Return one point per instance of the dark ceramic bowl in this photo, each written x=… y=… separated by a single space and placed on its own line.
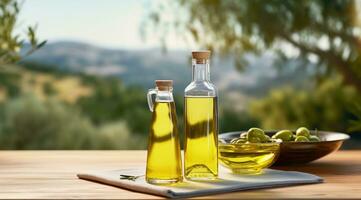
x=302 y=152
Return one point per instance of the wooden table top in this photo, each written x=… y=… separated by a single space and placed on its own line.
x=52 y=174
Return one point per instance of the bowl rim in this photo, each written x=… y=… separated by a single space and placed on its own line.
x=341 y=136
x=253 y=143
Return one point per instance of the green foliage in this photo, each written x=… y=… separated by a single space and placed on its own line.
x=9 y=79
x=26 y=120
x=103 y=120
x=355 y=124
x=326 y=108
x=29 y=123
x=49 y=89
x=111 y=101
x=10 y=42
x=231 y=120
x=106 y=102
x=321 y=31
x=42 y=67
x=116 y=135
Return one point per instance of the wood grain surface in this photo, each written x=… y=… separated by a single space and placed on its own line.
x=52 y=175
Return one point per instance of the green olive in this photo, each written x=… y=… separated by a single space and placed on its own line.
x=284 y=135
x=254 y=140
x=314 y=138
x=254 y=133
x=268 y=138
x=264 y=138
x=301 y=139
x=303 y=132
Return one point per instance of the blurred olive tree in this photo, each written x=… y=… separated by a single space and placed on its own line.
x=325 y=32
x=322 y=32
x=10 y=42
x=326 y=109
x=31 y=123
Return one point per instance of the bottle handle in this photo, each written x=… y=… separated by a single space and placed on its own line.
x=150 y=93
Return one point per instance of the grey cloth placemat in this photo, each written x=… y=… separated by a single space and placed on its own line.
x=227 y=182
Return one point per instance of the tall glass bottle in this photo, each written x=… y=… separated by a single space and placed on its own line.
x=164 y=164
x=201 y=122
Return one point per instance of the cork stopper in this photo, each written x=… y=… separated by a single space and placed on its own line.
x=164 y=84
x=201 y=56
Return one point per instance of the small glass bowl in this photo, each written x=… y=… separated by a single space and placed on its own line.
x=248 y=158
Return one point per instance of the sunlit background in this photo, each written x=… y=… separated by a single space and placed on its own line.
x=276 y=64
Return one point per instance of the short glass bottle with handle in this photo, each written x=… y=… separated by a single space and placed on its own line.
x=201 y=122
x=164 y=164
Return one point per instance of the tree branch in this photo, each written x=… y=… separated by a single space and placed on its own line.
x=344 y=36
x=336 y=61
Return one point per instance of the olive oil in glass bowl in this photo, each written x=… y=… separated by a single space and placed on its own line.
x=247 y=158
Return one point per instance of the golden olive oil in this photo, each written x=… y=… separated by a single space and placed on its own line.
x=247 y=158
x=164 y=158
x=201 y=132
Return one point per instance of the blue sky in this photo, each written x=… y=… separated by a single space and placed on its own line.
x=107 y=23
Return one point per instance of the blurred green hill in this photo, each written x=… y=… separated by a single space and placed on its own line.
x=48 y=109
x=142 y=67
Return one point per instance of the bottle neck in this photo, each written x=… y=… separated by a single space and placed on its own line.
x=164 y=95
x=200 y=71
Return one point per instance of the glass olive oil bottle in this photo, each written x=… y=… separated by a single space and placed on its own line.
x=201 y=122
x=164 y=164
